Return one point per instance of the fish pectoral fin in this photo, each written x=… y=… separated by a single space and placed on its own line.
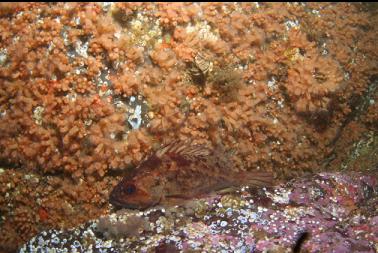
x=256 y=178
x=175 y=199
x=177 y=196
x=226 y=190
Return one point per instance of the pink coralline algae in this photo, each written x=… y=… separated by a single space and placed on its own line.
x=335 y=211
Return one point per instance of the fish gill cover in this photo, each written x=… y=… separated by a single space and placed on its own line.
x=87 y=90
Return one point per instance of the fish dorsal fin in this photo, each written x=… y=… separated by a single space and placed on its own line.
x=184 y=149
x=182 y=152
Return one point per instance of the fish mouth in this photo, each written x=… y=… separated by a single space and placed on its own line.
x=120 y=205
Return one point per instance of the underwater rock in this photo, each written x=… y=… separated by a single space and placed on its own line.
x=328 y=208
x=283 y=84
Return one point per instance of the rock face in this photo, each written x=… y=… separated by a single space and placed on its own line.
x=330 y=212
x=87 y=90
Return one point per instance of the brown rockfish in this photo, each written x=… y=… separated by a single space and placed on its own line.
x=181 y=170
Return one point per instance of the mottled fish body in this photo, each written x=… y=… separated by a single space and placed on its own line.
x=181 y=170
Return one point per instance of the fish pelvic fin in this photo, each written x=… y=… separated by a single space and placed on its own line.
x=256 y=178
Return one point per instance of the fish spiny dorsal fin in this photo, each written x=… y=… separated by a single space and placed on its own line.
x=184 y=149
x=190 y=150
x=159 y=153
x=168 y=148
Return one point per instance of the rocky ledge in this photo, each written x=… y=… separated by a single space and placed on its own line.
x=326 y=212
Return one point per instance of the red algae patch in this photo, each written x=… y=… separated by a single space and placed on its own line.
x=89 y=89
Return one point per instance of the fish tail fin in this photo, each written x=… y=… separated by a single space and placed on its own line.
x=257 y=178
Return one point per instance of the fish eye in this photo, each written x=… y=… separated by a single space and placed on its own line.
x=130 y=189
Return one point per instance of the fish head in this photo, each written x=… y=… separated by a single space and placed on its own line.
x=137 y=193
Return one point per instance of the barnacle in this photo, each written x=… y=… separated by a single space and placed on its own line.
x=232 y=201
x=200 y=69
x=293 y=54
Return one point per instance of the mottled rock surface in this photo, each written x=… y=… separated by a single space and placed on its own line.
x=338 y=211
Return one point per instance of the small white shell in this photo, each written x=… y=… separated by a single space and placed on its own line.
x=202 y=63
